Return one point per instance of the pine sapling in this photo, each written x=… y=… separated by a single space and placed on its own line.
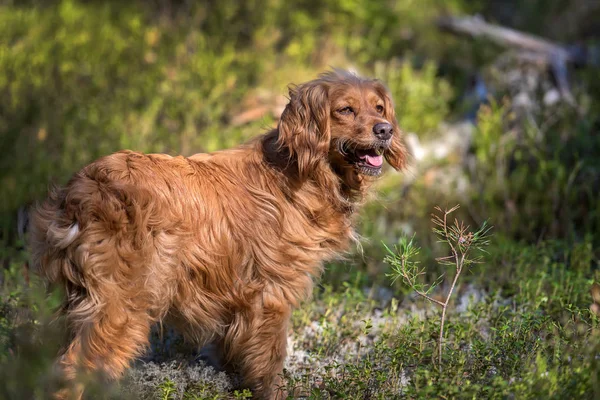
x=463 y=245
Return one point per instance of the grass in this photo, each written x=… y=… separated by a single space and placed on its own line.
x=539 y=342
x=519 y=325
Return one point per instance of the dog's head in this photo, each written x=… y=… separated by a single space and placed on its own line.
x=344 y=120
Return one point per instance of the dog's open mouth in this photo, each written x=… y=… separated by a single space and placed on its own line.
x=368 y=161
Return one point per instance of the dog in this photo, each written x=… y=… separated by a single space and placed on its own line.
x=221 y=245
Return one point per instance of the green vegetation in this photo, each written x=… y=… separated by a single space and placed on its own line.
x=80 y=79
x=537 y=341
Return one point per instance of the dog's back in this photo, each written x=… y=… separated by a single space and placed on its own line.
x=103 y=198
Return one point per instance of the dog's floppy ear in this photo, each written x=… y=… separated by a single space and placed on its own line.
x=396 y=154
x=303 y=129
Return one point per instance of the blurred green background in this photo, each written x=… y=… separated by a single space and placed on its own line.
x=488 y=125
x=83 y=79
x=80 y=79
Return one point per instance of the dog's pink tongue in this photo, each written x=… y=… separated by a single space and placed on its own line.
x=371 y=157
x=375 y=161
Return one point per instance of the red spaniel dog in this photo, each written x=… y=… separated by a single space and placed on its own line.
x=222 y=245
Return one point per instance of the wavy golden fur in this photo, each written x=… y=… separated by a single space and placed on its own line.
x=222 y=245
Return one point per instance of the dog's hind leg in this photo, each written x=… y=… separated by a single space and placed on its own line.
x=104 y=341
x=108 y=313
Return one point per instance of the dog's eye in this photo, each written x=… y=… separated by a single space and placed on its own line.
x=346 y=110
x=379 y=108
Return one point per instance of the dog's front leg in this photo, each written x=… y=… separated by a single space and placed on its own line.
x=256 y=344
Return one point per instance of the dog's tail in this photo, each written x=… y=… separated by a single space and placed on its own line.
x=51 y=233
x=91 y=229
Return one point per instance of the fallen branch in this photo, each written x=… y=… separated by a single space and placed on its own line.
x=553 y=55
x=476 y=26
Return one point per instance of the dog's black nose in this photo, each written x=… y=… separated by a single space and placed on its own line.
x=383 y=130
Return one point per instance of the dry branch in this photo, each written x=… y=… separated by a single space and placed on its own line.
x=553 y=55
x=477 y=27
